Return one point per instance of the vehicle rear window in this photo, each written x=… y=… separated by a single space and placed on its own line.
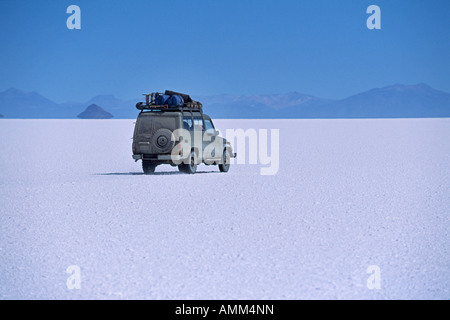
x=145 y=126
x=148 y=124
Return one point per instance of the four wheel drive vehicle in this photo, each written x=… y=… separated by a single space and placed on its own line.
x=172 y=129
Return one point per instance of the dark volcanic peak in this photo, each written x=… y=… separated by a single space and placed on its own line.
x=95 y=112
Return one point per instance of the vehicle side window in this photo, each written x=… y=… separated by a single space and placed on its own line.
x=187 y=123
x=198 y=123
x=208 y=125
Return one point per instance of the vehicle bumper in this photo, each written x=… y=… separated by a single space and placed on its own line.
x=164 y=157
x=159 y=157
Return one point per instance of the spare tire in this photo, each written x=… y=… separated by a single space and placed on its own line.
x=162 y=140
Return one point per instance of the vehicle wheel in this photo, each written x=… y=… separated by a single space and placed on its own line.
x=224 y=164
x=191 y=166
x=148 y=167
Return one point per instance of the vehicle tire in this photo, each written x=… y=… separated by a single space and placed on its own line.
x=162 y=140
x=148 y=167
x=191 y=166
x=224 y=164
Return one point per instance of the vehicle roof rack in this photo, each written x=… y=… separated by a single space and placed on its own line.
x=176 y=109
x=151 y=105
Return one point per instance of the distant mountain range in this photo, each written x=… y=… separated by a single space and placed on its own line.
x=396 y=101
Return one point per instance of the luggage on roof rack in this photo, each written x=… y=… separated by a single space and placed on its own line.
x=168 y=100
x=186 y=97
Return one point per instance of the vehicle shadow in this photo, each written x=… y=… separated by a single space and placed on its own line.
x=168 y=173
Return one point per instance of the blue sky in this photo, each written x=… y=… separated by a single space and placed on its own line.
x=206 y=47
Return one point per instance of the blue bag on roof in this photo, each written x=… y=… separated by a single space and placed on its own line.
x=175 y=100
x=162 y=99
